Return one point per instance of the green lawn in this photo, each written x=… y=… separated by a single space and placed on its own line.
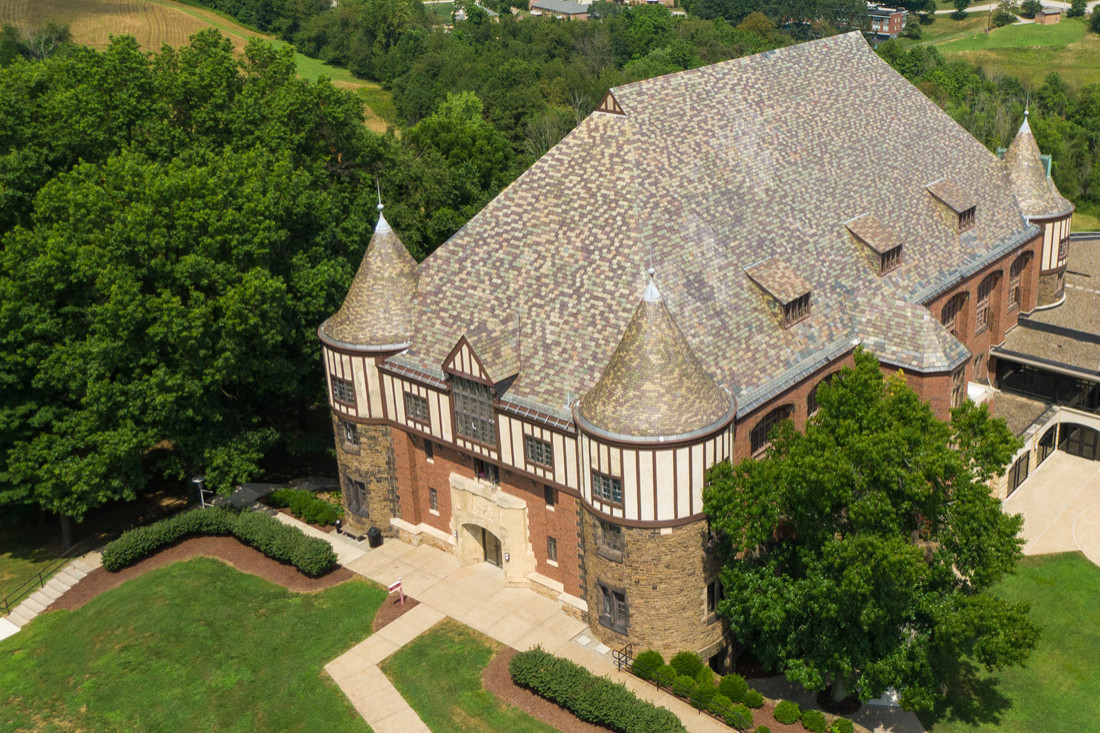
x=946 y=28
x=22 y=554
x=439 y=674
x=1058 y=690
x=192 y=646
x=1083 y=222
x=440 y=13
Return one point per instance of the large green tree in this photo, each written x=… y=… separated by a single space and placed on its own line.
x=860 y=553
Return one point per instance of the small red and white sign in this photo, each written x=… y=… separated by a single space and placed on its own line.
x=396 y=588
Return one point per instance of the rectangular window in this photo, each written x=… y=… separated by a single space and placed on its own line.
x=889 y=260
x=551 y=495
x=981 y=314
x=433 y=500
x=1018 y=472
x=552 y=550
x=714 y=597
x=609 y=540
x=350 y=432
x=966 y=219
x=355 y=493
x=416 y=408
x=796 y=310
x=486 y=471
x=949 y=316
x=1014 y=273
x=613 y=609
x=473 y=405
x=343 y=391
x=608 y=488
x=538 y=451
x=429 y=450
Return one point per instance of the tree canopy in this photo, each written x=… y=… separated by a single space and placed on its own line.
x=861 y=552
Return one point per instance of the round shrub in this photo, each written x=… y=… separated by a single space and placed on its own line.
x=734 y=687
x=687 y=663
x=701 y=696
x=647 y=663
x=705 y=676
x=843 y=725
x=813 y=721
x=754 y=699
x=666 y=675
x=738 y=716
x=684 y=685
x=787 y=712
x=314 y=557
x=763 y=729
x=719 y=704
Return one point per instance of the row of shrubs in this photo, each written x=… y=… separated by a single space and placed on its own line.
x=593 y=699
x=306 y=506
x=311 y=555
x=730 y=699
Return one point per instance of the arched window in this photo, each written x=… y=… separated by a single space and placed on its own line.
x=950 y=317
x=1015 y=294
x=759 y=436
x=811 y=400
x=982 y=311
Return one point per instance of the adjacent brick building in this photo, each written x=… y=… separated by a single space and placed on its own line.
x=546 y=391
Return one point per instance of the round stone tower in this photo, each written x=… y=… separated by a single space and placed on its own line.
x=374 y=322
x=1041 y=203
x=649 y=428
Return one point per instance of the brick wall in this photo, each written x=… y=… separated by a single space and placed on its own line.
x=664 y=574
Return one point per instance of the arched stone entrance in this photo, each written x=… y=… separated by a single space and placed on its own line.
x=491 y=527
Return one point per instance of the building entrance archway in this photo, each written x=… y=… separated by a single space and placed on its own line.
x=491 y=526
x=488 y=542
x=1079 y=440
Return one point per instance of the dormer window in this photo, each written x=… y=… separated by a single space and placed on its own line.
x=958 y=201
x=883 y=244
x=473 y=408
x=966 y=219
x=786 y=293
x=796 y=310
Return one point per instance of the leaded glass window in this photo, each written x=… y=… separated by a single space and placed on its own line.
x=473 y=405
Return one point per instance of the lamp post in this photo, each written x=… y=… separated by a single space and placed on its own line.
x=198 y=482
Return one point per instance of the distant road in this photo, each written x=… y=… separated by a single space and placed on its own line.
x=990 y=6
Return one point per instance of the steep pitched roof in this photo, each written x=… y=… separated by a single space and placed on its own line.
x=1035 y=191
x=705 y=173
x=380 y=306
x=654 y=386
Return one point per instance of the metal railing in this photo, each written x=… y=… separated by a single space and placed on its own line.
x=11 y=600
x=623 y=657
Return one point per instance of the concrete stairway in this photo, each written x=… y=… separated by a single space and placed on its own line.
x=64 y=579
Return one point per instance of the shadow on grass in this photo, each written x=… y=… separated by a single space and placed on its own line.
x=974 y=700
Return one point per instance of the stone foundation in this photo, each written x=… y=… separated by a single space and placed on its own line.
x=1051 y=288
x=664 y=575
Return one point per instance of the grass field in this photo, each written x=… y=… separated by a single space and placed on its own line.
x=156 y=22
x=191 y=646
x=1028 y=52
x=1058 y=690
x=439 y=674
x=440 y=13
x=1083 y=222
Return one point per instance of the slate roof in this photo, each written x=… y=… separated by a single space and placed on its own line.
x=950 y=193
x=654 y=385
x=1019 y=412
x=870 y=230
x=778 y=279
x=1035 y=191
x=707 y=172
x=380 y=307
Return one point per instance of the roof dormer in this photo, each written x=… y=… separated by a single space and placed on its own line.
x=958 y=201
x=487 y=353
x=881 y=242
x=787 y=293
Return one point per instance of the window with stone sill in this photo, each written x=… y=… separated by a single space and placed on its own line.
x=552 y=550
x=981 y=312
x=486 y=471
x=614 y=613
x=607 y=488
x=609 y=541
x=433 y=500
x=429 y=451
x=949 y=315
x=349 y=431
x=538 y=452
x=550 y=494
x=1014 y=273
x=714 y=597
x=343 y=391
x=355 y=493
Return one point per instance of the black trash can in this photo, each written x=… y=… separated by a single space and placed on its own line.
x=374 y=537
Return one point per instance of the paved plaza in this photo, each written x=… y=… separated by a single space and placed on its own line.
x=1060 y=502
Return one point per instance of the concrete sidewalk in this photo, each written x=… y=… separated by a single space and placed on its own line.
x=1060 y=502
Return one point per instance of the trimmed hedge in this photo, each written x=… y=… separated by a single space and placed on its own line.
x=593 y=699
x=754 y=699
x=763 y=729
x=701 y=696
x=734 y=687
x=787 y=712
x=647 y=663
x=813 y=721
x=311 y=555
x=687 y=663
x=843 y=725
x=683 y=685
x=306 y=506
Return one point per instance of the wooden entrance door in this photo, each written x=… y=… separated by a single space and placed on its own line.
x=492 y=547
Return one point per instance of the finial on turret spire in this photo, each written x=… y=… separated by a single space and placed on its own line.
x=382 y=226
x=378 y=185
x=651 y=294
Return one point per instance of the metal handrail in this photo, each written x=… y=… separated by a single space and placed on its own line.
x=8 y=602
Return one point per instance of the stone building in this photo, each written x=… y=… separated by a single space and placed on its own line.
x=546 y=391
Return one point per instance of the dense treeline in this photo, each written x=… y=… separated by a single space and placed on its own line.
x=1066 y=123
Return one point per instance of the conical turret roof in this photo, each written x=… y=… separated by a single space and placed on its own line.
x=654 y=386
x=380 y=305
x=1035 y=191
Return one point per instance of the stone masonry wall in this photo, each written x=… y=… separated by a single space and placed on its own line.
x=664 y=574
x=372 y=462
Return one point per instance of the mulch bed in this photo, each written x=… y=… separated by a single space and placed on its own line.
x=497 y=679
x=227 y=549
x=391 y=609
